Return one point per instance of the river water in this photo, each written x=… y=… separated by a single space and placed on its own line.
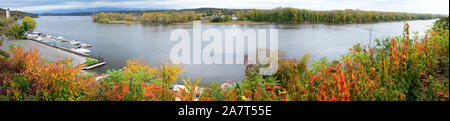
x=116 y=43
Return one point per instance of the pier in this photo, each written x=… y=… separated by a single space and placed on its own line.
x=36 y=37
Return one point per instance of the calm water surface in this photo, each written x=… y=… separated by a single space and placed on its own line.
x=117 y=43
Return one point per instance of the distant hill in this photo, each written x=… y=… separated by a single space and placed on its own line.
x=89 y=11
x=67 y=14
x=18 y=14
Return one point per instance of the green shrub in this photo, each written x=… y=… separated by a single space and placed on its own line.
x=90 y=61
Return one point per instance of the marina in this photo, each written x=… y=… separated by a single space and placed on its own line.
x=77 y=47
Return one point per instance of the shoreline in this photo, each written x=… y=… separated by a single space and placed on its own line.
x=190 y=22
x=226 y=23
x=240 y=22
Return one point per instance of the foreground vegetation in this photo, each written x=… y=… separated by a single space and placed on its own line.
x=277 y=15
x=403 y=68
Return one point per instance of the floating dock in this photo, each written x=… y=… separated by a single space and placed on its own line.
x=87 y=67
x=93 y=66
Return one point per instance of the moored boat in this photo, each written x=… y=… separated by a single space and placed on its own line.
x=84 y=45
x=60 y=38
x=39 y=38
x=74 y=42
x=81 y=50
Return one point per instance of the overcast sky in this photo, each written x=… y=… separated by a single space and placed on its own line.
x=413 y=6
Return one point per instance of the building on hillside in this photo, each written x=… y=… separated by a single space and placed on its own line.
x=234 y=18
x=7 y=13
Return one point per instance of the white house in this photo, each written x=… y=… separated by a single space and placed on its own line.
x=7 y=13
x=234 y=18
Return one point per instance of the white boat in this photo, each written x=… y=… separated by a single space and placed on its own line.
x=84 y=45
x=39 y=38
x=31 y=36
x=35 y=33
x=44 y=35
x=73 y=42
x=60 y=38
x=81 y=50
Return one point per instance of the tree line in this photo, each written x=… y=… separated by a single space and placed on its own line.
x=276 y=15
x=348 y=16
x=159 y=17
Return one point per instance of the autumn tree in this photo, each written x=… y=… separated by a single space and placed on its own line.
x=28 y=23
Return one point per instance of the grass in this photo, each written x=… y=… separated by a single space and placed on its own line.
x=90 y=61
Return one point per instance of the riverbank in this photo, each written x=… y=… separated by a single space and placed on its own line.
x=254 y=23
x=190 y=22
x=225 y=23
x=123 y=22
